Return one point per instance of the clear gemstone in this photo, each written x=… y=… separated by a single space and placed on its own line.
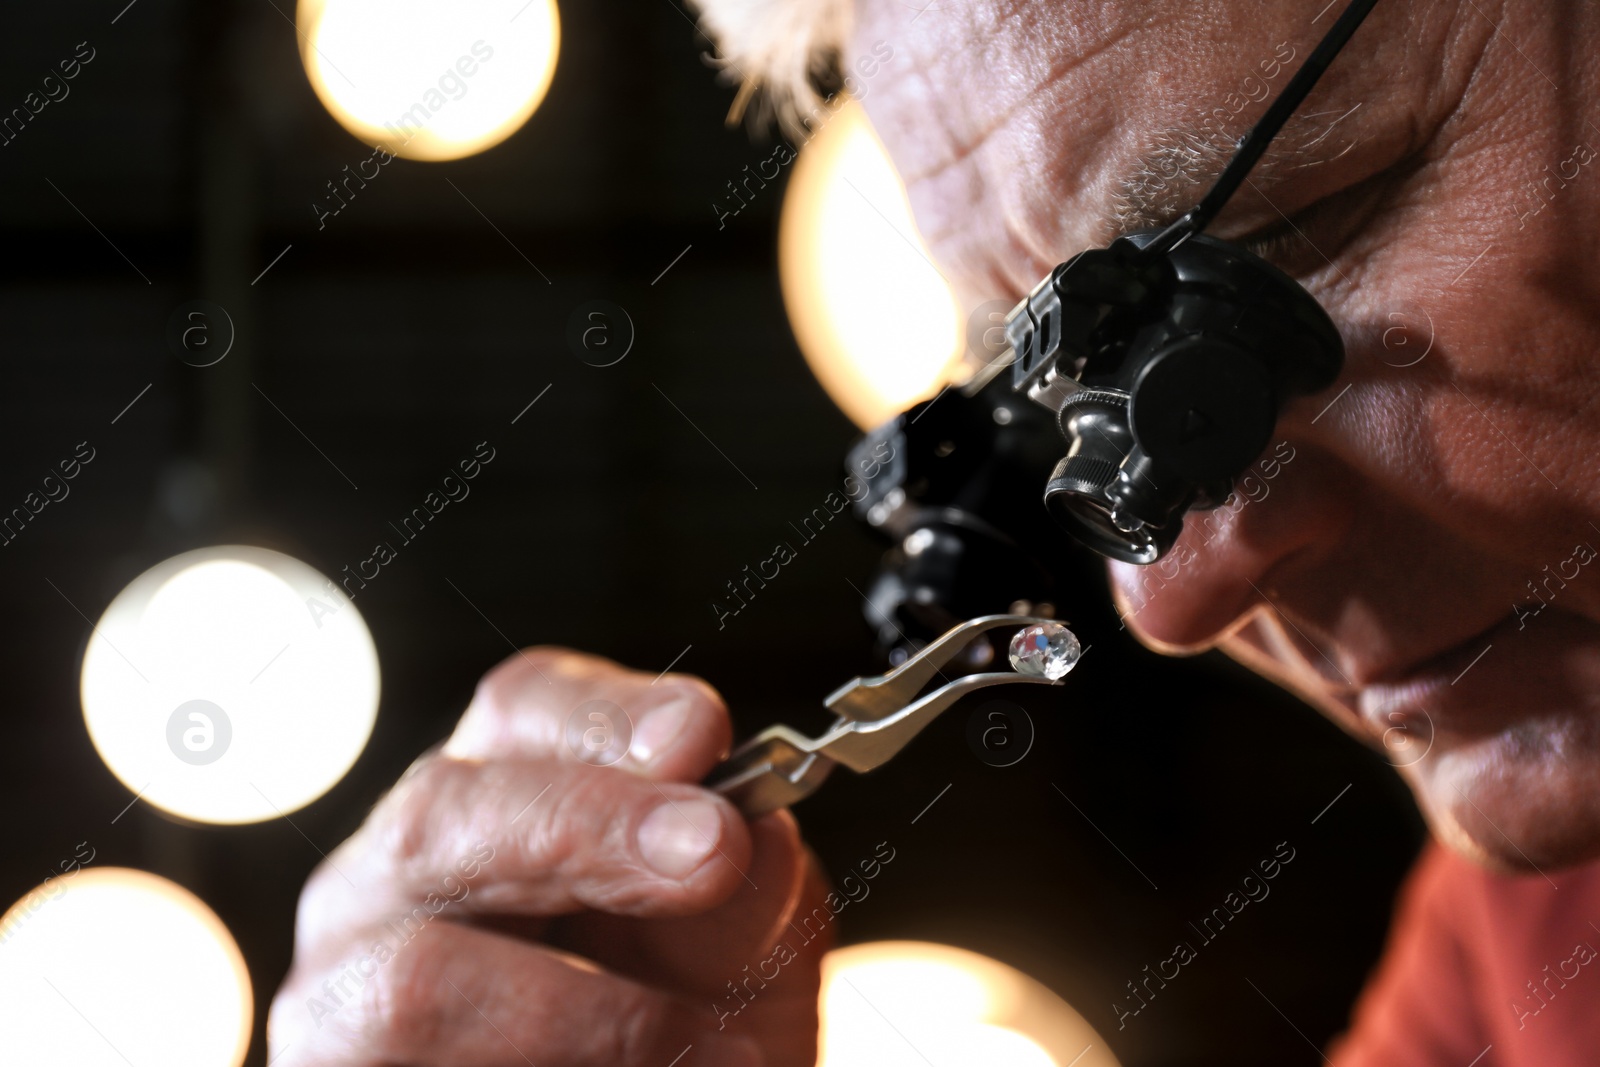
x=1045 y=650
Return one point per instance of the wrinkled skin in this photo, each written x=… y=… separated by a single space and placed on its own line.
x=1400 y=541
x=552 y=937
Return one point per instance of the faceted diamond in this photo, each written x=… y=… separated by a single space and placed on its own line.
x=1045 y=650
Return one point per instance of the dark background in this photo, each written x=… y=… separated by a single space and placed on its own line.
x=408 y=330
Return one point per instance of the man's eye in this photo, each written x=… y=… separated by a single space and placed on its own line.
x=1270 y=244
x=1318 y=235
x=1296 y=247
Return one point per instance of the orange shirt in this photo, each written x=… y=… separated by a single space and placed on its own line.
x=1484 y=970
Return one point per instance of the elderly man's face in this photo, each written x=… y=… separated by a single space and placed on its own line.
x=1422 y=567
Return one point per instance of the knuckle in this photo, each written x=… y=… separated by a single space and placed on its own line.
x=522 y=683
x=587 y=814
x=508 y=677
x=309 y=910
x=402 y=1004
x=317 y=912
x=406 y=819
x=283 y=1020
x=503 y=689
x=528 y=667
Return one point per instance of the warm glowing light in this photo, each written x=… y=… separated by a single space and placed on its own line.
x=430 y=79
x=874 y=318
x=910 y=1003
x=230 y=685
x=107 y=967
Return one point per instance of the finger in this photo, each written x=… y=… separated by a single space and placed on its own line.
x=753 y=966
x=552 y=702
x=531 y=838
x=705 y=952
x=454 y=996
x=778 y=1004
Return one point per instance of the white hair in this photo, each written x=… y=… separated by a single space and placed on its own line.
x=777 y=52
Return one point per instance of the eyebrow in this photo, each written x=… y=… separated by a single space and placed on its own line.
x=1167 y=179
x=1182 y=162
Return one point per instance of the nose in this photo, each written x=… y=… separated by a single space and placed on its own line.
x=1289 y=510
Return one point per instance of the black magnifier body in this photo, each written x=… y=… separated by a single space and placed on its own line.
x=1166 y=375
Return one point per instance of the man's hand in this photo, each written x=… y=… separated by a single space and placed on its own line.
x=508 y=904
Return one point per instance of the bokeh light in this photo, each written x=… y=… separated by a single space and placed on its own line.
x=230 y=685
x=430 y=79
x=912 y=1003
x=108 y=966
x=875 y=319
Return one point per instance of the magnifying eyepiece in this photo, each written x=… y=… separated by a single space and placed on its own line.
x=1086 y=493
x=1166 y=375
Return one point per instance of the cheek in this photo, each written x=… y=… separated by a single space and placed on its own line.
x=1480 y=400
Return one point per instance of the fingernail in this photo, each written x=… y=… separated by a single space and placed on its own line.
x=719 y=1050
x=658 y=728
x=679 y=835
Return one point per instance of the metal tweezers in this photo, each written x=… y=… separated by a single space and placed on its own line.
x=877 y=717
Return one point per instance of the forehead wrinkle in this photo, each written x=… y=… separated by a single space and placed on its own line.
x=1011 y=21
x=1039 y=72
